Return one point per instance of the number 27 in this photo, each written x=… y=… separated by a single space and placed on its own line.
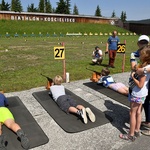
x=59 y=52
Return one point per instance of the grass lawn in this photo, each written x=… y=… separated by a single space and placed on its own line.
x=24 y=59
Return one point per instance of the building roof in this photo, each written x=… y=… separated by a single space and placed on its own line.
x=145 y=21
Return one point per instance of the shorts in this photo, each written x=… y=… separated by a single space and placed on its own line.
x=64 y=102
x=96 y=60
x=116 y=86
x=5 y=114
x=137 y=99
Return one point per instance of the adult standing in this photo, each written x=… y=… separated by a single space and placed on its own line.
x=143 y=41
x=111 y=48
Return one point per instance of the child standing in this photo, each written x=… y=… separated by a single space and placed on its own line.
x=66 y=103
x=138 y=96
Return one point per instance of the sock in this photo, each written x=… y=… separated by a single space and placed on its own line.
x=79 y=112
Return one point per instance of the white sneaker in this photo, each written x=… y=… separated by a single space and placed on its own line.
x=83 y=115
x=90 y=114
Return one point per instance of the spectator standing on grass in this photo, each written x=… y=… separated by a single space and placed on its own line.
x=7 y=119
x=111 y=48
x=137 y=96
x=97 y=56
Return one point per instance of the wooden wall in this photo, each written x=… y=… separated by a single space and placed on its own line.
x=9 y=15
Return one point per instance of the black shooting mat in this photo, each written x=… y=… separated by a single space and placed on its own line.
x=69 y=122
x=24 y=118
x=109 y=92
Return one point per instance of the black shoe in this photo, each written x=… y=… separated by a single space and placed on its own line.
x=23 y=138
x=112 y=66
x=24 y=142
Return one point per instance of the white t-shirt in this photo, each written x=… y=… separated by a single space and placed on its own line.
x=97 y=54
x=57 y=90
x=142 y=92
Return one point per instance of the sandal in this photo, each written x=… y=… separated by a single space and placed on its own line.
x=136 y=133
x=127 y=137
x=146 y=132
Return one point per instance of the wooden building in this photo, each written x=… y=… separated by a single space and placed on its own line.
x=139 y=27
x=51 y=17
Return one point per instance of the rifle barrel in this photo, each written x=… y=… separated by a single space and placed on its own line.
x=93 y=70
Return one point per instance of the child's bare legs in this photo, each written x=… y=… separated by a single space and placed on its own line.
x=80 y=107
x=11 y=124
x=139 y=118
x=133 y=117
x=80 y=110
x=75 y=109
x=124 y=90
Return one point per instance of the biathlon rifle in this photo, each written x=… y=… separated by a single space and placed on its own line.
x=94 y=71
x=48 y=78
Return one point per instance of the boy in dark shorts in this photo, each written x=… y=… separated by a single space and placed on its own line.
x=66 y=103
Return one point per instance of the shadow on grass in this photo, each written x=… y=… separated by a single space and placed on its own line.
x=92 y=64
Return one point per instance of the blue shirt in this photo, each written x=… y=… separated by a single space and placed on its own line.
x=113 y=41
x=3 y=100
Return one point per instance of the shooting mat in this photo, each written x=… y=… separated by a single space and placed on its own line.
x=23 y=117
x=69 y=122
x=109 y=92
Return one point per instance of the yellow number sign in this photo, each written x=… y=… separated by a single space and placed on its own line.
x=59 y=52
x=121 y=48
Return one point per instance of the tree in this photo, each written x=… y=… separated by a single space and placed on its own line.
x=48 y=6
x=31 y=8
x=113 y=14
x=67 y=7
x=45 y=6
x=123 y=16
x=4 y=6
x=63 y=7
x=41 y=6
x=75 y=10
x=98 y=11
x=16 y=6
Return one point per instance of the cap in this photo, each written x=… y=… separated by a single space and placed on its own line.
x=143 y=37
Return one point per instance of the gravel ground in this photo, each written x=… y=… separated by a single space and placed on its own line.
x=104 y=137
